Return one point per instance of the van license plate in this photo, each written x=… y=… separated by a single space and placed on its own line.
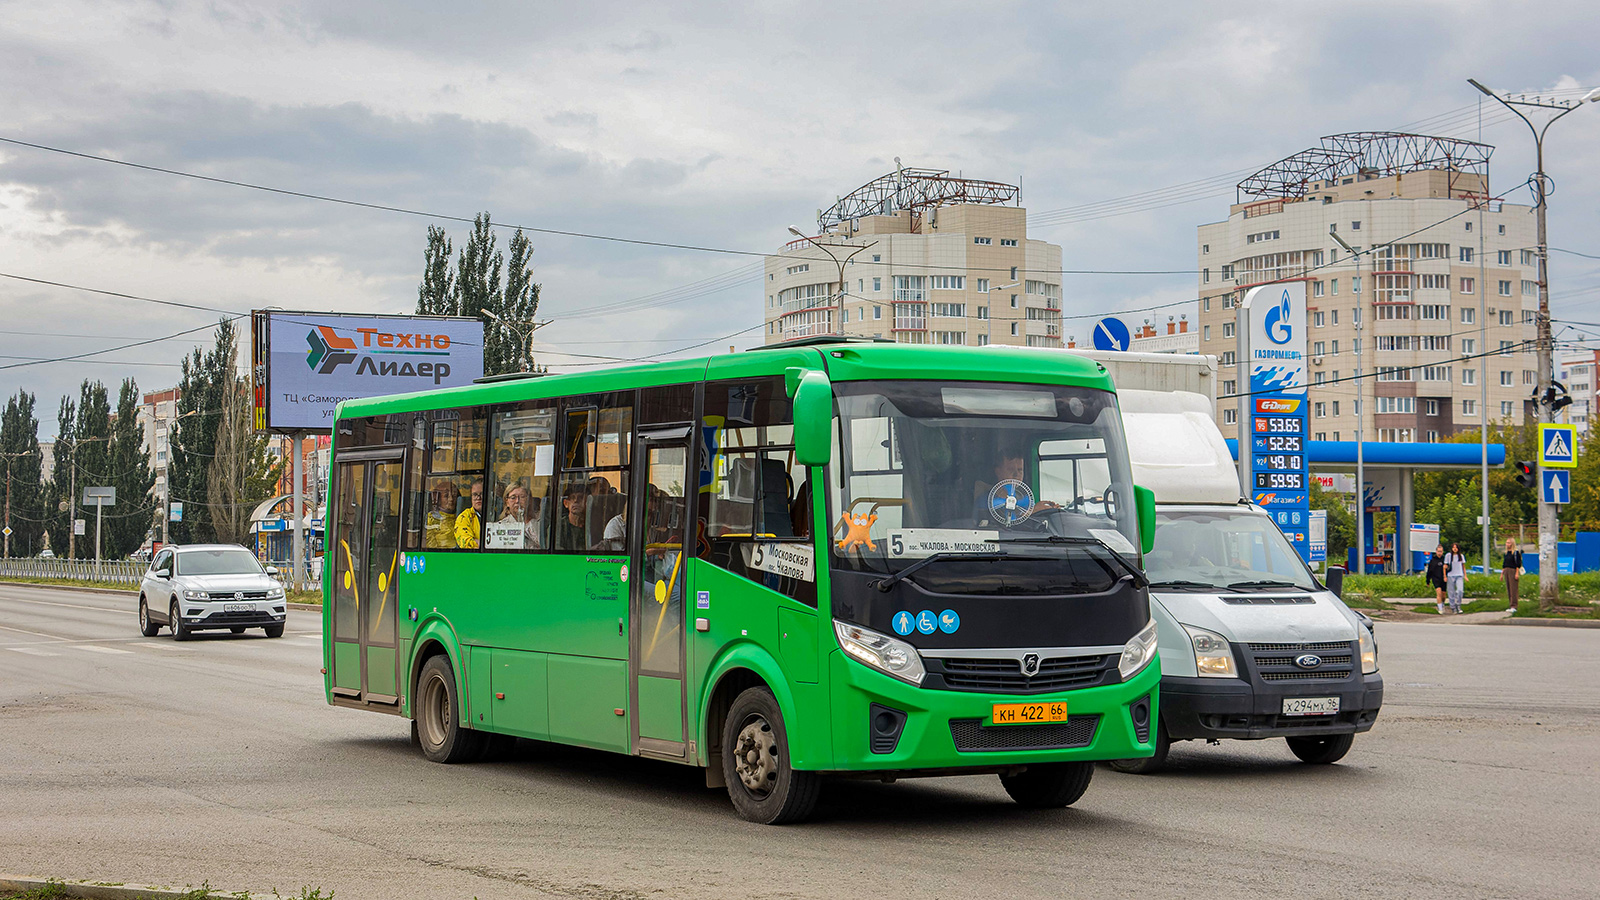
x=1310 y=706
x=238 y=607
x=1028 y=713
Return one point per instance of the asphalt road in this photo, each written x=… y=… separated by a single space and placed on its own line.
x=130 y=759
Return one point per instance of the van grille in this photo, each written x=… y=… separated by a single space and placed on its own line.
x=1319 y=647
x=1275 y=662
x=1247 y=600
x=972 y=736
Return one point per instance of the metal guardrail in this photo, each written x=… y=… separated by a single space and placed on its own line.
x=119 y=571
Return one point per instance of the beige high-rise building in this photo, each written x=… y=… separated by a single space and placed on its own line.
x=927 y=258
x=1446 y=274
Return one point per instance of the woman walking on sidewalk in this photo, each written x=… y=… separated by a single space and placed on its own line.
x=1511 y=570
x=1435 y=577
x=1455 y=570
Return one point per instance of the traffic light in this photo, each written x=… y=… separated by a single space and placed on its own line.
x=1527 y=476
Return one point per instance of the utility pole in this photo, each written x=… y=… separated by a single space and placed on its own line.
x=1549 y=515
x=72 y=502
x=522 y=333
x=1483 y=379
x=838 y=304
x=1361 y=468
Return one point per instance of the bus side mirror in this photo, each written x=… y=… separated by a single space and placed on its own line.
x=1144 y=500
x=813 y=418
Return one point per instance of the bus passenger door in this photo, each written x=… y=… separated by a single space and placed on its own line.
x=658 y=558
x=366 y=553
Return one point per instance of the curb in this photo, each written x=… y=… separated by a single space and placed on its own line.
x=1550 y=623
x=119 y=592
x=19 y=883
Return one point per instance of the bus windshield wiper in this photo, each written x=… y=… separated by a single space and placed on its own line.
x=885 y=584
x=1267 y=583
x=1085 y=540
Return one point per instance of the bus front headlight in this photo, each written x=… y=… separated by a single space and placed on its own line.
x=881 y=652
x=1138 y=651
x=1369 y=651
x=1213 y=657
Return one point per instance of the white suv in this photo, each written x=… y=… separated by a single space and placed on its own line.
x=209 y=586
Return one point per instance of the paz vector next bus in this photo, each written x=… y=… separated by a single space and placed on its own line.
x=824 y=558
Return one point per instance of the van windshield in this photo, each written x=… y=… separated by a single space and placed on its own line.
x=1238 y=550
x=1036 y=472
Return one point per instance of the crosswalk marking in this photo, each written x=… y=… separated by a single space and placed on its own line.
x=32 y=651
x=98 y=649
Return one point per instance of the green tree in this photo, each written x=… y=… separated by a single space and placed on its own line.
x=1341 y=523
x=436 y=293
x=194 y=433
x=521 y=302
x=24 y=488
x=60 y=508
x=242 y=471
x=130 y=474
x=478 y=272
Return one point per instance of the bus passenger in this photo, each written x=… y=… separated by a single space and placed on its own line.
x=468 y=524
x=519 y=512
x=438 y=532
x=570 y=533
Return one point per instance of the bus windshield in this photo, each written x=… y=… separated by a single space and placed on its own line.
x=1038 y=472
x=1236 y=550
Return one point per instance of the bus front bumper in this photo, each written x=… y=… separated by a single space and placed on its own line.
x=881 y=723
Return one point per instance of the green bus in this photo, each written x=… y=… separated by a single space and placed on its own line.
x=827 y=558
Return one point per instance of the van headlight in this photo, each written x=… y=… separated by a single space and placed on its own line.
x=881 y=652
x=1369 y=651
x=1213 y=657
x=1138 y=651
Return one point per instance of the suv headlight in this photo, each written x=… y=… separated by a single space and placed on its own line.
x=1213 y=657
x=1138 y=651
x=195 y=595
x=275 y=593
x=880 y=651
x=1369 y=650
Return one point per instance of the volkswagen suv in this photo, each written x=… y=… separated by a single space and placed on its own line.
x=209 y=586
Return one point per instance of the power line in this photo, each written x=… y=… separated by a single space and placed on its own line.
x=78 y=356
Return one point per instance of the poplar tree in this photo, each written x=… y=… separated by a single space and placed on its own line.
x=59 y=505
x=131 y=519
x=25 y=494
x=436 y=293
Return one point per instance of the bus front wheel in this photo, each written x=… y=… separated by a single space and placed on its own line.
x=439 y=729
x=764 y=786
x=1149 y=765
x=1049 y=786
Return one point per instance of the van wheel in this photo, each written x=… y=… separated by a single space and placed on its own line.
x=1049 y=786
x=180 y=631
x=764 y=787
x=1321 y=750
x=439 y=728
x=1151 y=765
x=146 y=627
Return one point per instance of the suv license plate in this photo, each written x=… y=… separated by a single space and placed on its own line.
x=1310 y=706
x=1028 y=713
x=246 y=607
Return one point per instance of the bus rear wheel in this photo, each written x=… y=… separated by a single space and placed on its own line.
x=764 y=787
x=1049 y=786
x=439 y=729
x=1321 y=750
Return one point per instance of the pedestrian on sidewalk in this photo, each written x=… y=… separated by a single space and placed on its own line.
x=1455 y=570
x=1435 y=577
x=1511 y=571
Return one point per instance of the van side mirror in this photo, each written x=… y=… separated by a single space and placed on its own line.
x=813 y=418
x=1144 y=500
x=1334 y=580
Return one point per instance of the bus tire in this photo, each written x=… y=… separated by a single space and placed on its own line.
x=439 y=729
x=1151 y=765
x=1049 y=786
x=763 y=786
x=146 y=627
x=1321 y=751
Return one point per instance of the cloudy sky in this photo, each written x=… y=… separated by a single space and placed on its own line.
x=712 y=124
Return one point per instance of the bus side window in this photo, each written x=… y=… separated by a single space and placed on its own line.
x=522 y=467
x=455 y=483
x=590 y=513
x=753 y=495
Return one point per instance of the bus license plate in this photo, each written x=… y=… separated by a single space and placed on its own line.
x=1310 y=706
x=1028 y=713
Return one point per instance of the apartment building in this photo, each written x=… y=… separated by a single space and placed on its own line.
x=1578 y=371
x=925 y=258
x=157 y=412
x=1445 y=274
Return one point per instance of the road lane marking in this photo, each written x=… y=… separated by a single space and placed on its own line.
x=98 y=649
x=105 y=609
x=32 y=651
x=53 y=637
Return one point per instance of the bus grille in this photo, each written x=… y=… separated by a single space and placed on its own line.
x=1004 y=676
x=972 y=736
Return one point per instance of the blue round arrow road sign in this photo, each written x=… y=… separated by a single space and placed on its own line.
x=1111 y=334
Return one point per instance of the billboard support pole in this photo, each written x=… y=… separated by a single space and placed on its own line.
x=297 y=548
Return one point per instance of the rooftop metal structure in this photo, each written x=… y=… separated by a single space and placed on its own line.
x=916 y=190
x=1369 y=154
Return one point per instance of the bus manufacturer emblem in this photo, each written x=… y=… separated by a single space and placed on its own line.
x=1030 y=664
x=1308 y=661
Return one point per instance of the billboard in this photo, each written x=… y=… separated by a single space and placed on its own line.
x=1273 y=331
x=304 y=363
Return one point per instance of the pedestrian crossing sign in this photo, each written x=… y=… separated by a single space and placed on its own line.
x=1558 y=446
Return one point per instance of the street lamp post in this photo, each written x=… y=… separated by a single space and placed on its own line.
x=989 y=319
x=838 y=306
x=1361 y=469
x=1549 y=524
x=522 y=333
